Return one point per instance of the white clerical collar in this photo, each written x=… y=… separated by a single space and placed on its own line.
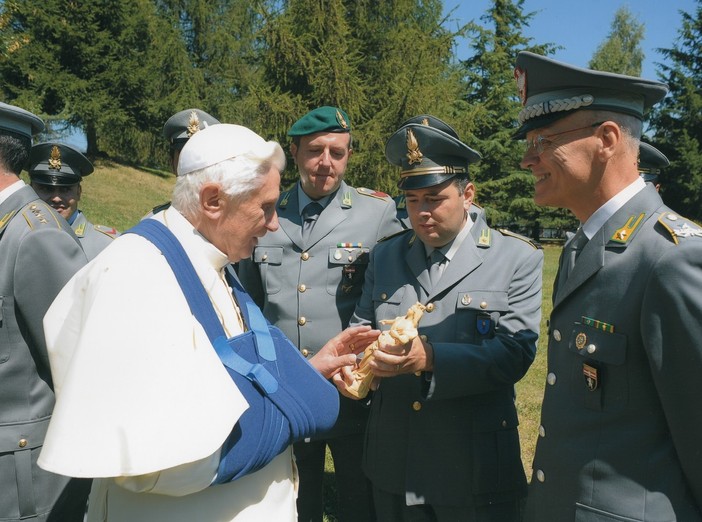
x=8 y=191
x=606 y=211
x=193 y=242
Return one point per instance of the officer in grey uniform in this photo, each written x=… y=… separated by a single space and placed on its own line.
x=620 y=424
x=177 y=130
x=38 y=254
x=56 y=171
x=307 y=283
x=442 y=441
x=651 y=161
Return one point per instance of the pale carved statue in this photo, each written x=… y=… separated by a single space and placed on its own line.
x=402 y=330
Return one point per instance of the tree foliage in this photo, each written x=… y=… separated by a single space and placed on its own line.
x=621 y=51
x=678 y=118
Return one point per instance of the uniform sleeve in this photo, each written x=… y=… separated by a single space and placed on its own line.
x=47 y=258
x=466 y=369
x=671 y=330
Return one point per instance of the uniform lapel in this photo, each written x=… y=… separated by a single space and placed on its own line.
x=465 y=260
x=289 y=216
x=417 y=263
x=334 y=214
x=592 y=258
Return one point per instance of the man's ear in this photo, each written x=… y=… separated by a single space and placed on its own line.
x=468 y=196
x=212 y=199
x=611 y=137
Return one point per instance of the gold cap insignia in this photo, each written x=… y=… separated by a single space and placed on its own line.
x=521 y=78
x=193 y=124
x=413 y=153
x=425 y=121
x=341 y=120
x=55 y=158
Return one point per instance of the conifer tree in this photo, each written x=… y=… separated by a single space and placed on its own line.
x=621 y=52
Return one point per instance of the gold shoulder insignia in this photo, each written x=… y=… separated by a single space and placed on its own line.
x=39 y=214
x=372 y=193
x=108 y=231
x=622 y=234
x=528 y=240
x=679 y=227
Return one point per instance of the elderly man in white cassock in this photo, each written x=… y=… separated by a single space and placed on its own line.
x=148 y=378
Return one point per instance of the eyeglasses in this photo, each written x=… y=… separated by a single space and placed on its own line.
x=539 y=143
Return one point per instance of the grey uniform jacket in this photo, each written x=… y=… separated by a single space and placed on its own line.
x=38 y=255
x=310 y=291
x=621 y=431
x=93 y=238
x=450 y=437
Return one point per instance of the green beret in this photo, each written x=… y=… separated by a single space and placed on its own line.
x=182 y=125
x=322 y=119
x=428 y=156
x=651 y=161
x=57 y=164
x=550 y=90
x=19 y=121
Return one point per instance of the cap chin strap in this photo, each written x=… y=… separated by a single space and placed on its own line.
x=433 y=170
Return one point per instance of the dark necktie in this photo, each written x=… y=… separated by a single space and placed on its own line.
x=436 y=261
x=570 y=254
x=309 y=215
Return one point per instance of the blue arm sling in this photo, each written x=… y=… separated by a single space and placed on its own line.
x=288 y=399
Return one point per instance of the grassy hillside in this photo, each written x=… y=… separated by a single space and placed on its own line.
x=119 y=196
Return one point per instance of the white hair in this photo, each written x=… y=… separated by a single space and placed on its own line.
x=238 y=177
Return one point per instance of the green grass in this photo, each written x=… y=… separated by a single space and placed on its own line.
x=119 y=196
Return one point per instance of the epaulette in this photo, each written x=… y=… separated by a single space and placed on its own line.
x=679 y=227
x=38 y=214
x=159 y=208
x=4 y=220
x=528 y=240
x=373 y=193
x=403 y=231
x=108 y=231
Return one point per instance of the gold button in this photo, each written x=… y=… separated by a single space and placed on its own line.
x=337 y=255
x=551 y=378
x=466 y=299
x=305 y=352
x=264 y=257
x=557 y=335
x=305 y=256
x=483 y=305
x=542 y=431
x=430 y=307
x=504 y=423
x=540 y=475
x=383 y=296
x=22 y=443
x=418 y=374
x=302 y=288
x=416 y=405
x=301 y=321
x=423 y=338
x=672 y=217
x=591 y=349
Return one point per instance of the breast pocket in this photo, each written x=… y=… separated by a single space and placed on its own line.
x=599 y=377
x=269 y=260
x=478 y=314
x=347 y=268
x=387 y=301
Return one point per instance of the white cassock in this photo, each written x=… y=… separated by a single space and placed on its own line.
x=142 y=400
